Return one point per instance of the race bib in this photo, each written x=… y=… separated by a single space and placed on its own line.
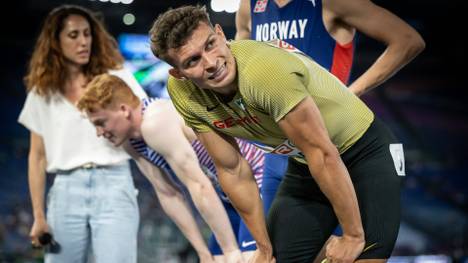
x=285 y=148
x=398 y=156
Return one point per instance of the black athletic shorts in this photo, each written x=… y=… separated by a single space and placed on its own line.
x=301 y=218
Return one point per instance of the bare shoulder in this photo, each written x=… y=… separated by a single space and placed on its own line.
x=160 y=109
x=160 y=114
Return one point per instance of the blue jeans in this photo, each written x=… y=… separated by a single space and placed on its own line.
x=95 y=209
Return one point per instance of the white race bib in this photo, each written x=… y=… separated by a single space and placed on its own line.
x=398 y=156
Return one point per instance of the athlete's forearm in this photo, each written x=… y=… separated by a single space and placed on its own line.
x=186 y=166
x=396 y=56
x=212 y=210
x=172 y=202
x=237 y=181
x=243 y=192
x=179 y=211
x=333 y=179
x=243 y=20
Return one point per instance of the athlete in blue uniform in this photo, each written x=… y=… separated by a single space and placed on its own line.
x=325 y=30
x=300 y=23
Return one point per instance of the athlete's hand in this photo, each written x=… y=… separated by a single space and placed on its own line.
x=262 y=257
x=344 y=249
x=206 y=258
x=234 y=256
x=39 y=227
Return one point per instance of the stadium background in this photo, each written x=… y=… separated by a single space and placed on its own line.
x=424 y=104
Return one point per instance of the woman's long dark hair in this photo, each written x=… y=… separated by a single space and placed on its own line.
x=46 y=72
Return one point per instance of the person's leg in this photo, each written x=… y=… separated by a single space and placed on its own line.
x=114 y=217
x=379 y=203
x=376 y=178
x=321 y=255
x=374 y=164
x=301 y=218
x=275 y=167
x=67 y=218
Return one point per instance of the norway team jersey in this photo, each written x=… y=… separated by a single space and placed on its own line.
x=300 y=23
x=271 y=82
x=254 y=156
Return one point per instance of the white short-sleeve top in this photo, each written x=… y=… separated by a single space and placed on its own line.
x=69 y=138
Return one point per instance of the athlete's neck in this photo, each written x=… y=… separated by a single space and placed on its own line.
x=226 y=94
x=136 y=118
x=225 y=98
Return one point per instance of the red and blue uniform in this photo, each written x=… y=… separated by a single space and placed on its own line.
x=300 y=23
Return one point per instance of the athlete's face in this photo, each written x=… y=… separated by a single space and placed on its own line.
x=113 y=124
x=75 y=40
x=206 y=60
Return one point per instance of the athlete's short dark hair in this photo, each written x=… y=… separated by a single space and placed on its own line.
x=172 y=28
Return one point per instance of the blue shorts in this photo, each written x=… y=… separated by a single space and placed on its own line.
x=274 y=169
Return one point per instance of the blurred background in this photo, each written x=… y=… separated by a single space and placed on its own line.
x=423 y=104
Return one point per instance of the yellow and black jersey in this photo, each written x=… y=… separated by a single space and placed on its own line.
x=271 y=82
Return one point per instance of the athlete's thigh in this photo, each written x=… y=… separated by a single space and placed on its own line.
x=378 y=193
x=298 y=228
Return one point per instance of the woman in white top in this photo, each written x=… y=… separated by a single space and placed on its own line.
x=92 y=203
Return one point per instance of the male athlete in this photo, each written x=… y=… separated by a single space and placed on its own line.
x=166 y=150
x=344 y=164
x=325 y=30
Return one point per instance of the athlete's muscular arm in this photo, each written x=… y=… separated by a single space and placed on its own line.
x=243 y=20
x=162 y=129
x=173 y=203
x=402 y=41
x=329 y=172
x=37 y=176
x=237 y=181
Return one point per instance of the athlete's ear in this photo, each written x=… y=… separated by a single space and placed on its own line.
x=219 y=31
x=176 y=73
x=125 y=109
